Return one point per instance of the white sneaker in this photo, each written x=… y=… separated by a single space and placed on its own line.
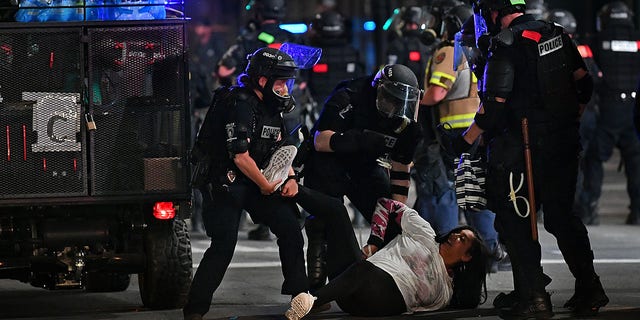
x=300 y=306
x=279 y=164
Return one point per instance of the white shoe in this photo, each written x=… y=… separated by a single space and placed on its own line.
x=279 y=164
x=300 y=306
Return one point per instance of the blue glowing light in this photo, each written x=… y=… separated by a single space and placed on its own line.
x=369 y=26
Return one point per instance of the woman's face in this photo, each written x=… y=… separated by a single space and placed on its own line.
x=459 y=243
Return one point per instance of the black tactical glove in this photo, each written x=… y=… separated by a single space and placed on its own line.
x=453 y=144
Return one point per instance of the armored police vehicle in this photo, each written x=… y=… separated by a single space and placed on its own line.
x=94 y=141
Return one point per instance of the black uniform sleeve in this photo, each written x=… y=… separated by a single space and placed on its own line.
x=337 y=113
x=407 y=143
x=575 y=59
x=239 y=126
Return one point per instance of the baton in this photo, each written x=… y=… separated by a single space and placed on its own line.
x=529 y=174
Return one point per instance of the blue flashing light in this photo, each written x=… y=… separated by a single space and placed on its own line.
x=369 y=25
x=296 y=28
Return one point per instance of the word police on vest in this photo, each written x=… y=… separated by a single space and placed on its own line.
x=550 y=46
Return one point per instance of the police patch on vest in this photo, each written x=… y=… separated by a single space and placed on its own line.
x=230 y=128
x=269 y=132
x=624 y=46
x=550 y=46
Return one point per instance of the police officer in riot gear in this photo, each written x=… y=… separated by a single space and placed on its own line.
x=340 y=60
x=263 y=31
x=238 y=135
x=451 y=96
x=534 y=83
x=364 y=142
x=407 y=49
x=618 y=56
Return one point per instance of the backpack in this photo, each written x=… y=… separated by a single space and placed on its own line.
x=201 y=155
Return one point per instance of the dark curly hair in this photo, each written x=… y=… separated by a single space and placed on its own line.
x=469 y=278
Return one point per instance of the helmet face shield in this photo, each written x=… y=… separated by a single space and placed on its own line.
x=305 y=57
x=396 y=99
x=464 y=46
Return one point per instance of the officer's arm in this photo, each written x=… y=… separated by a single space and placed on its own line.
x=433 y=95
x=334 y=118
x=248 y=166
x=584 y=87
x=400 y=181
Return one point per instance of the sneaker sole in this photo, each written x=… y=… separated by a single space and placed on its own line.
x=279 y=164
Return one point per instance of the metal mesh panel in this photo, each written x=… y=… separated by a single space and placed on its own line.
x=40 y=108
x=138 y=104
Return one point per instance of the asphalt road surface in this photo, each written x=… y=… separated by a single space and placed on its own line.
x=251 y=286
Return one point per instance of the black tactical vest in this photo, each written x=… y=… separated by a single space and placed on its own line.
x=618 y=55
x=337 y=63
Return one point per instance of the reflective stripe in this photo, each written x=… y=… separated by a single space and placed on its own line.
x=437 y=76
x=459 y=120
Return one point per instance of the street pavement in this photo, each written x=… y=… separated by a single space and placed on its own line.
x=251 y=286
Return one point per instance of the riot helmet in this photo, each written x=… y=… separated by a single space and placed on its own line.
x=465 y=45
x=563 y=18
x=482 y=11
x=271 y=9
x=454 y=18
x=329 y=24
x=274 y=65
x=397 y=92
x=614 y=14
x=537 y=8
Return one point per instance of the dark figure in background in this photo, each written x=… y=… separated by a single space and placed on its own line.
x=206 y=50
x=364 y=142
x=589 y=117
x=263 y=31
x=238 y=135
x=534 y=72
x=388 y=281
x=618 y=56
x=407 y=49
x=537 y=8
x=340 y=60
x=451 y=94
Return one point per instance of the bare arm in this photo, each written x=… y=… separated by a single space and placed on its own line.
x=433 y=95
x=321 y=140
x=248 y=166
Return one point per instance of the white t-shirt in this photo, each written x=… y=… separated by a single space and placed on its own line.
x=412 y=259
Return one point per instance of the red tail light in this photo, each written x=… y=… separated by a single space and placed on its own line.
x=164 y=210
x=321 y=68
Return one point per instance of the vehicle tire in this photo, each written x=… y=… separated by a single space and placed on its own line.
x=167 y=277
x=106 y=281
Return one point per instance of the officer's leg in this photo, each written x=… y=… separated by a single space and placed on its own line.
x=630 y=152
x=599 y=150
x=571 y=234
x=281 y=215
x=221 y=218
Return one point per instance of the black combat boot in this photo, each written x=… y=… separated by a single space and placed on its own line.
x=588 y=298
x=538 y=306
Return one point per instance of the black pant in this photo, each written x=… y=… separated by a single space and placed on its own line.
x=555 y=163
x=221 y=216
x=358 y=287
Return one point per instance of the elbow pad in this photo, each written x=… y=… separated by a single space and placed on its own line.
x=493 y=116
x=584 y=87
